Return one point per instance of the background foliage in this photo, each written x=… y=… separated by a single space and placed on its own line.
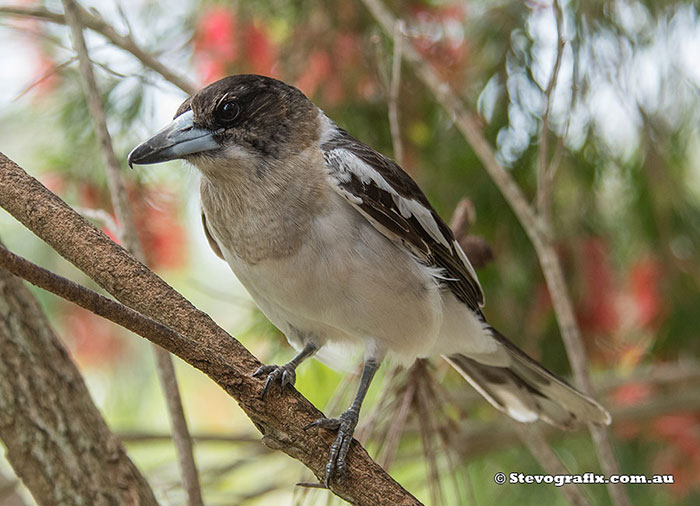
x=622 y=134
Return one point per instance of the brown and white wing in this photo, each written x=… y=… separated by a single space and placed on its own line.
x=210 y=238
x=394 y=204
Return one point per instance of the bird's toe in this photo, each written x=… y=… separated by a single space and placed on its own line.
x=282 y=374
x=345 y=425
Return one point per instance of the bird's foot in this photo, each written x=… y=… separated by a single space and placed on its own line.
x=284 y=374
x=345 y=425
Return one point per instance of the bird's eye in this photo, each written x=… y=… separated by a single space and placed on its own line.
x=228 y=111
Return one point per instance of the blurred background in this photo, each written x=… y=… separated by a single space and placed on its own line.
x=622 y=129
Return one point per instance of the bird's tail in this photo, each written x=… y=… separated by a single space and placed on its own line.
x=526 y=391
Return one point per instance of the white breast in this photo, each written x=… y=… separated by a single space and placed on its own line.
x=347 y=284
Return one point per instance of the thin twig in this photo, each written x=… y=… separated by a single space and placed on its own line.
x=46 y=75
x=533 y=439
x=463 y=217
x=115 y=182
x=118 y=193
x=92 y=301
x=397 y=425
x=468 y=124
x=136 y=437
x=394 y=90
x=544 y=177
x=99 y=25
x=102 y=217
x=575 y=71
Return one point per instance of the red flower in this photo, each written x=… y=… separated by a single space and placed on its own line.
x=95 y=341
x=259 y=50
x=598 y=307
x=644 y=277
x=215 y=44
x=317 y=71
x=632 y=393
x=160 y=230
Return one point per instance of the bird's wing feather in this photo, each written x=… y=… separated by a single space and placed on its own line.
x=210 y=238
x=394 y=204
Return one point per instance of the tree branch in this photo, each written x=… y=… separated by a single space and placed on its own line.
x=122 y=315
x=115 y=182
x=544 y=170
x=468 y=124
x=99 y=25
x=280 y=418
x=536 y=442
x=122 y=208
x=394 y=89
x=56 y=440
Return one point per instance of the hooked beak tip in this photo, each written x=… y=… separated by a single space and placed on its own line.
x=177 y=140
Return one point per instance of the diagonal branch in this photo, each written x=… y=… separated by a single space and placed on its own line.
x=280 y=418
x=394 y=89
x=544 y=170
x=535 y=441
x=52 y=433
x=122 y=207
x=468 y=124
x=99 y=25
x=122 y=315
x=115 y=182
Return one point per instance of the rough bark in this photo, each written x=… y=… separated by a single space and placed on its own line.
x=130 y=238
x=56 y=440
x=280 y=418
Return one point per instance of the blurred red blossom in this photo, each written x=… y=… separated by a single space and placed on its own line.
x=643 y=286
x=222 y=40
x=94 y=341
x=334 y=70
x=317 y=71
x=680 y=455
x=677 y=434
x=215 y=44
x=160 y=229
x=625 y=308
x=597 y=309
x=260 y=52
x=632 y=393
x=54 y=181
x=438 y=33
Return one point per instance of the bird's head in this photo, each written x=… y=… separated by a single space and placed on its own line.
x=236 y=119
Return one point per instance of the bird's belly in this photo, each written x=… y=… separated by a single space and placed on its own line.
x=348 y=284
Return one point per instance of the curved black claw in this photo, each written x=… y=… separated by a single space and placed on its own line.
x=345 y=425
x=284 y=374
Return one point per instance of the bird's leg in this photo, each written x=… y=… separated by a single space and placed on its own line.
x=345 y=424
x=285 y=374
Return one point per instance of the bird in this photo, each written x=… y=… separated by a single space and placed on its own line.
x=339 y=247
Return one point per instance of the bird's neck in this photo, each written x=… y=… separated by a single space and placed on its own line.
x=259 y=210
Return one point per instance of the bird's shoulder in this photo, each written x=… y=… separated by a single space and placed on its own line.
x=394 y=204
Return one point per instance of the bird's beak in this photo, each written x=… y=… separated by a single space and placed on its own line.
x=176 y=140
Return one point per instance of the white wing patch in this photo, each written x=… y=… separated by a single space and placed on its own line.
x=465 y=260
x=345 y=165
x=349 y=164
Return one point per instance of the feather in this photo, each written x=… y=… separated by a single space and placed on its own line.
x=394 y=204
